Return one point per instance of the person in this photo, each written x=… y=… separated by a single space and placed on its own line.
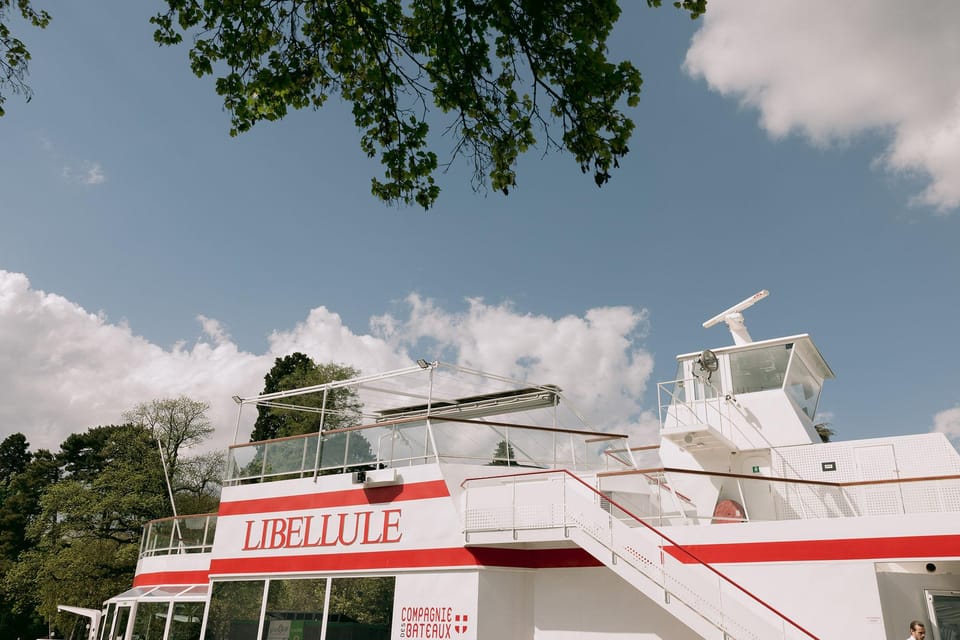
x=917 y=630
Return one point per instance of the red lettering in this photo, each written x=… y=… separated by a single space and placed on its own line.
x=293 y=532
x=299 y=531
x=389 y=522
x=323 y=535
x=278 y=532
x=356 y=529
x=366 y=530
x=246 y=538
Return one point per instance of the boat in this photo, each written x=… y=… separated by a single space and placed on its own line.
x=466 y=505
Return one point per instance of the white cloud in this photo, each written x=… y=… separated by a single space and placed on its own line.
x=64 y=369
x=948 y=422
x=594 y=359
x=93 y=174
x=88 y=173
x=831 y=70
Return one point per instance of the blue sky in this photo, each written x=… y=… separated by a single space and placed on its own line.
x=146 y=253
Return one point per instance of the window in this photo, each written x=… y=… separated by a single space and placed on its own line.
x=294 y=609
x=187 y=617
x=360 y=609
x=802 y=387
x=120 y=628
x=150 y=620
x=106 y=621
x=235 y=610
x=759 y=369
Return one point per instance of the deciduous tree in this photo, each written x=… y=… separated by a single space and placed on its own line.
x=499 y=76
x=176 y=423
x=297 y=370
x=14 y=56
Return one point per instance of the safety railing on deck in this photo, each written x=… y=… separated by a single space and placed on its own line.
x=562 y=501
x=764 y=498
x=183 y=534
x=691 y=402
x=414 y=441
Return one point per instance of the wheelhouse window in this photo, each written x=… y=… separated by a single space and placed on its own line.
x=803 y=387
x=759 y=369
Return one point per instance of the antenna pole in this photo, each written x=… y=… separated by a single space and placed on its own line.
x=166 y=477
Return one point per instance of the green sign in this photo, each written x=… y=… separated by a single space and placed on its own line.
x=296 y=630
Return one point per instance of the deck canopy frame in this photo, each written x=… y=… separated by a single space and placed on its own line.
x=428 y=413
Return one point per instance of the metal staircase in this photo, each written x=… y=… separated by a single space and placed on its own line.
x=557 y=505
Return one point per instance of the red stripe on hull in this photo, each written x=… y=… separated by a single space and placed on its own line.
x=171 y=577
x=820 y=550
x=347 y=498
x=390 y=560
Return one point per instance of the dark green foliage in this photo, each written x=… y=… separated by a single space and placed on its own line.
x=295 y=371
x=14 y=57
x=342 y=409
x=495 y=74
x=268 y=424
x=500 y=72
x=70 y=524
x=824 y=431
x=14 y=457
x=83 y=535
x=504 y=455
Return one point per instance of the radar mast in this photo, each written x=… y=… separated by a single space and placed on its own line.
x=734 y=318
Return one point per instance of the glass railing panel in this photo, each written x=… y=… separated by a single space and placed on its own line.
x=184 y=534
x=289 y=457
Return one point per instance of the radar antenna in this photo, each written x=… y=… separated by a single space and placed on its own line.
x=734 y=318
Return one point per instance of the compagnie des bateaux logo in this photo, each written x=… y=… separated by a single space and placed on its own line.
x=432 y=622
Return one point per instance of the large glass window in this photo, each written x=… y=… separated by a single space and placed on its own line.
x=944 y=609
x=120 y=628
x=759 y=369
x=294 y=609
x=803 y=387
x=150 y=620
x=360 y=609
x=235 y=610
x=187 y=617
x=106 y=621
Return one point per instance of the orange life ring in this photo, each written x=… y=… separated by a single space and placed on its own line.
x=728 y=511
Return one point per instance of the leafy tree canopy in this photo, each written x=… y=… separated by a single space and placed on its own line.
x=495 y=74
x=83 y=539
x=14 y=56
x=297 y=370
x=14 y=457
x=498 y=69
x=504 y=455
x=176 y=423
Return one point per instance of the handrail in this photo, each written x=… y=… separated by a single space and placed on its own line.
x=419 y=419
x=182 y=517
x=165 y=536
x=663 y=536
x=305 y=455
x=741 y=476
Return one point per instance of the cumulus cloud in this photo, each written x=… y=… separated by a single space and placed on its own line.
x=64 y=369
x=831 y=70
x=595 y=359
x=948 y=422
